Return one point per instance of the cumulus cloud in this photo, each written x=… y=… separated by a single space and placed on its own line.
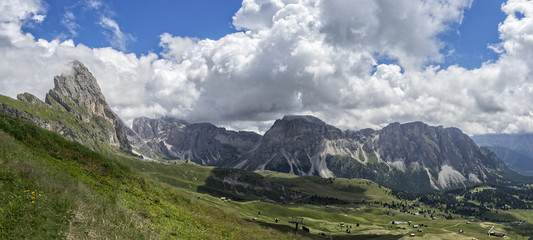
x=298 y=57
x=14 y=11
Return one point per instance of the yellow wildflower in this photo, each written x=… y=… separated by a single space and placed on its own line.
x=32 y=197
x=32 y=201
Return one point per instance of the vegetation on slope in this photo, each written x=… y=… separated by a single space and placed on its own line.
x=53 y=188
x=54 y=116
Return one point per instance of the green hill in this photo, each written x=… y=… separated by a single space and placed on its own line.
x=53 y=188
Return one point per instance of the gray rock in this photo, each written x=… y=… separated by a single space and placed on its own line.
x=78 y=92
x=412 y=156
x=202 y=143
x=75 y=109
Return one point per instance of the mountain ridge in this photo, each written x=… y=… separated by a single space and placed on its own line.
x=412 y=156
x=516 y=150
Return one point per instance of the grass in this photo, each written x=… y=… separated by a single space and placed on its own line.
x=428 y=140
x=85 y=195
x=373 y=217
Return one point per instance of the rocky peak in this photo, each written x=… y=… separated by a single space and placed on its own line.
x=77 y=91
x=447 y=151
x=203 y=143
x=411 y=156
x=294 y=126
x=29 y=98
x=149 y=128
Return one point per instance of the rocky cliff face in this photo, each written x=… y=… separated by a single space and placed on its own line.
x=413 y=156
x=74 y=108
x=202 y=143
x=294 y=144
x=78 y=92
x=448 y=157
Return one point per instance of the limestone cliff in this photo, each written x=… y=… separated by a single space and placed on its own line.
x=74 y=108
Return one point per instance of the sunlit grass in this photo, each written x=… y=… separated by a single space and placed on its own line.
x=52 y=188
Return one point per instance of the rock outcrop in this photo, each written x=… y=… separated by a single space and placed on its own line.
x=294 y=144
x=78 y=92
x=74 y=108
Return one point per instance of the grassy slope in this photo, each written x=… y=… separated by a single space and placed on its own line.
x=372 y=218
x=57 y=114
x=53 y=188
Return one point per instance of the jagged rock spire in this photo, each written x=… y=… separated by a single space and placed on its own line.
x=77 y=90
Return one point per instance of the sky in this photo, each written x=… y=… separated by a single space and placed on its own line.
x=243 y=64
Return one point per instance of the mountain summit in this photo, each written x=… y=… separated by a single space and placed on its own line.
x=411 y=156
x=202 y=143
x=78 y=92
x=74 y=108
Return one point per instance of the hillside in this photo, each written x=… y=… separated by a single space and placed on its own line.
x=54 y=189
x=77 y=110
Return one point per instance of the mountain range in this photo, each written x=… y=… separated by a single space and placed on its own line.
x=516 y=150
x=413 y=156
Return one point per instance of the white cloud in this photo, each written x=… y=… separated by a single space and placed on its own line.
x=117 y=38
x=94 y=4
x=69 y=21
x=298 y=57
x=15 y=10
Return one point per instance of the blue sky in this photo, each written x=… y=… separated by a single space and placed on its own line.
x=143 y=20
x=478 y=29
x=465 y=43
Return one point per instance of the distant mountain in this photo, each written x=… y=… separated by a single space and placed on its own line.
x=413 y=156
x=202 y=143
x=516 y=150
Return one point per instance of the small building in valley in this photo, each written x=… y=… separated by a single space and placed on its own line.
x=496 y=234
